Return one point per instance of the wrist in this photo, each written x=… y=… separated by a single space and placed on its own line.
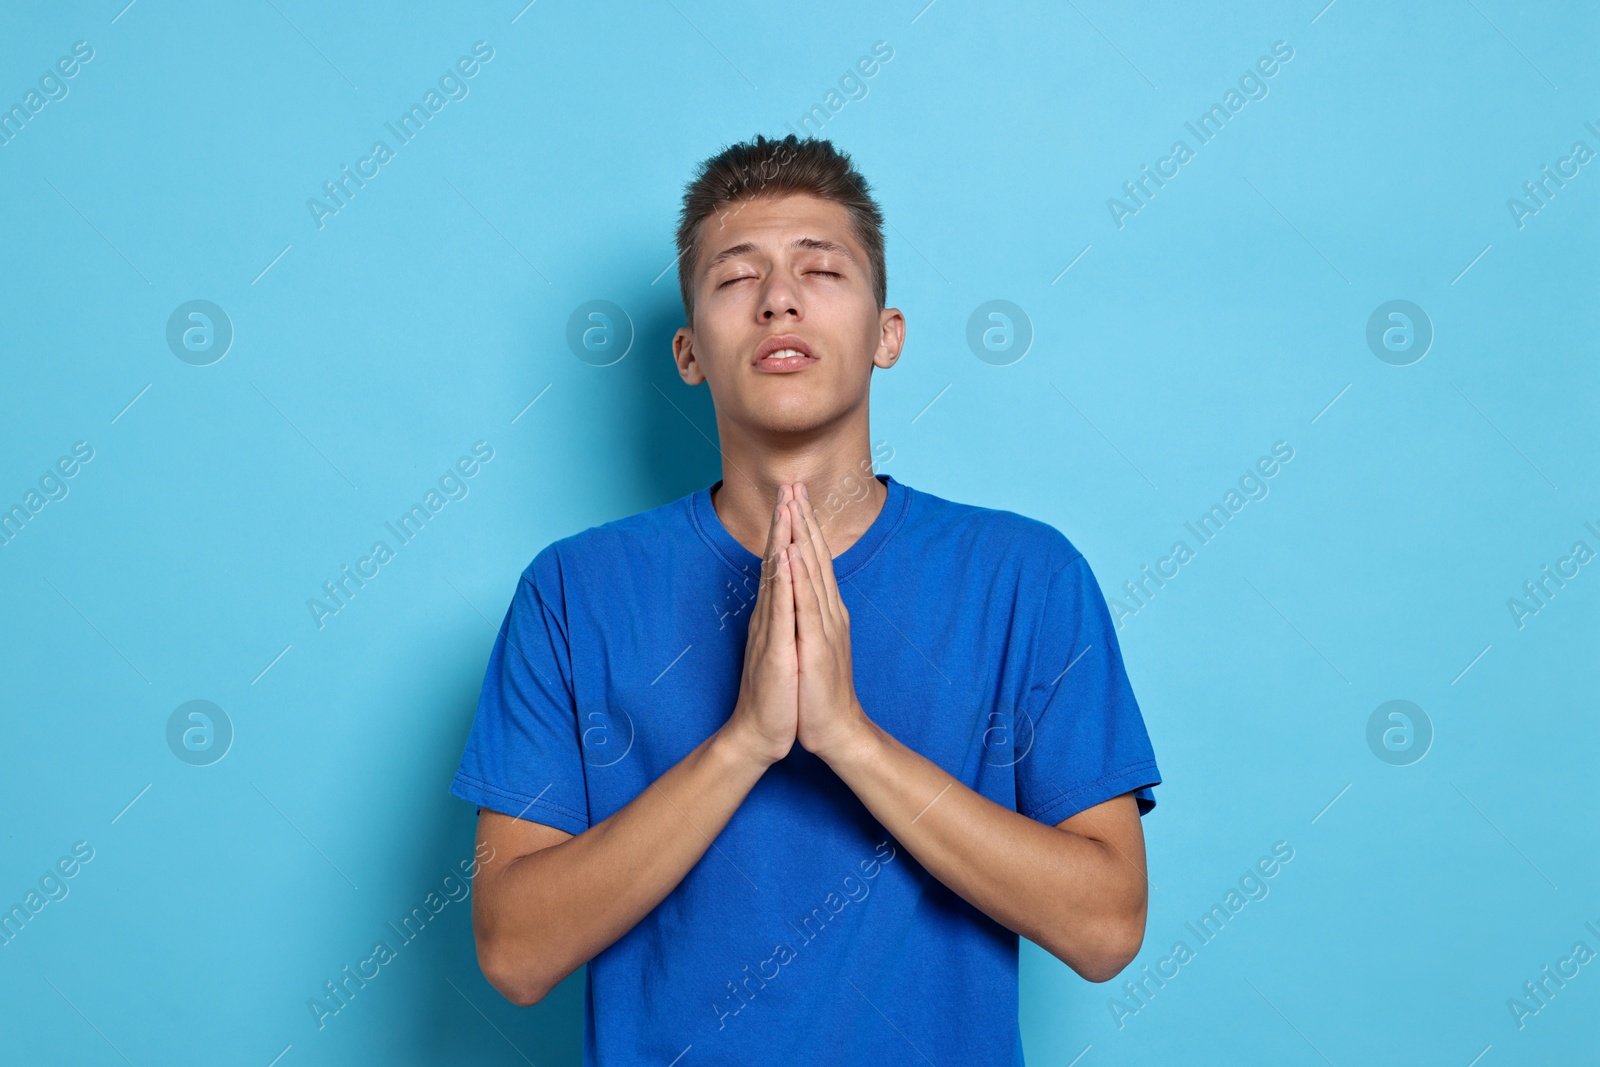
x=740 y=744
x=856 y=744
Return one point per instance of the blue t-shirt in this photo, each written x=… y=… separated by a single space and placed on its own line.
x=807 y=934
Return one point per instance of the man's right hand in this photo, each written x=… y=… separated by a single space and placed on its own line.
x=766 y=716
x=551 y=901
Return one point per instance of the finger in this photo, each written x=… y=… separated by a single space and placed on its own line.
x=819 y=562
x=783 y=533
x=807 y=612
x=758 y=615
x=779 y=586
x=779 y=533
x=783 y=611
x=774 y=540
x=821 y=551
x=772 y=532
x=808 y=554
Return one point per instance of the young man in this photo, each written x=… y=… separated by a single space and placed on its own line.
x=792 y=761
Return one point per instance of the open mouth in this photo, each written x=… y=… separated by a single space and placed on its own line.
x=783 y=354
x=784 y=360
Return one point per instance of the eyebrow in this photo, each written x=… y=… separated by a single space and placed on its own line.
x=815 y=244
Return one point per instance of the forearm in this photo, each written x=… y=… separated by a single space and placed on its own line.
x=559 y=907
x=1070 y=894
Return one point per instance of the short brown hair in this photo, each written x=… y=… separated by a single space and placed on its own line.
x=765 y=167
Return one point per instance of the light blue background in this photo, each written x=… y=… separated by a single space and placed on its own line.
x=428 y=313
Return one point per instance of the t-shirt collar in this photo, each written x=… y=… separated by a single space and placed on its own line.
x=709 y=526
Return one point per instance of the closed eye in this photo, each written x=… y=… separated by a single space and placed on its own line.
x=747 y=277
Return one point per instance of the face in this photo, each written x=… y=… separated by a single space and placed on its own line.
x=785 y=273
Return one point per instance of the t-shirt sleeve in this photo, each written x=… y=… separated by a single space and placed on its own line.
x=523 y=756
x=1089 y=742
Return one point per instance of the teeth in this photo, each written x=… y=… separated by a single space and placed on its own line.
x=782 y=352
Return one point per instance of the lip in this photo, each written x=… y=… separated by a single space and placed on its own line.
x=765 y=362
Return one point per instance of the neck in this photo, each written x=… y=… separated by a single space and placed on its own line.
x=837 y=472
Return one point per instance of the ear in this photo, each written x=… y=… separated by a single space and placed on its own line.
x=891 y=338
x=683 y=356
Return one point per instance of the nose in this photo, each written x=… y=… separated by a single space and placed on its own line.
x=780 y=298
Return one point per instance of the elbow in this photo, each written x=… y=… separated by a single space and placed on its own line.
x=1112 y=958
x=1102 y=933
x=1120 y=936
x=516 y=988
x=523 y=996
x=512 y=979
x=1109 y=965
x=1104 y=957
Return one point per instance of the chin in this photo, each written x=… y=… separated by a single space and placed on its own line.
x=791 y=426
x=800 y=420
